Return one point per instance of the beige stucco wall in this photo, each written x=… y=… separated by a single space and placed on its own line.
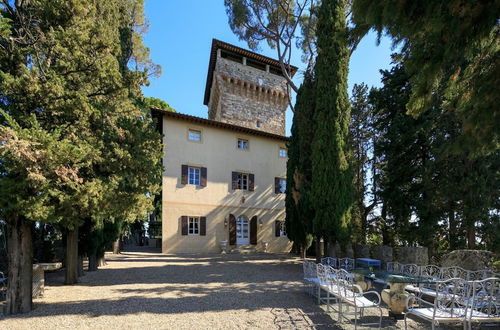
x=219 y=154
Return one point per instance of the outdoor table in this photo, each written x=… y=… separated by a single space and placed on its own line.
x=366 y=262
x=39 y=276
x=395 y=297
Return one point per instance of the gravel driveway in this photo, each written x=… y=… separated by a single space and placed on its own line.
x=150 y=290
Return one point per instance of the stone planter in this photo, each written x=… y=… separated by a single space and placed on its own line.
x=265 y=246
x=223 y=246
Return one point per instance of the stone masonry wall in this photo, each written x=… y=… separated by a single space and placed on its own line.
x=242 y=95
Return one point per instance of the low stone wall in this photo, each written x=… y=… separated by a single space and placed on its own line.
x=468 y=259
x=412 y=255
x=381 y=252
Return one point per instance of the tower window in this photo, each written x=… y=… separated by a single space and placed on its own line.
x=283 y=153
x=243 y=144
x=194 y=135
x=257 y=123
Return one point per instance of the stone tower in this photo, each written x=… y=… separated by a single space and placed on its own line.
x=246 y=89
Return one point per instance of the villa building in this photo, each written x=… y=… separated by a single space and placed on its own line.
x=224 y=177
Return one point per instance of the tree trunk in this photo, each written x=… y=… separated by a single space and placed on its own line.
x=80 y=266
x=93 y=265
x=92 y=262
x=116 y=246
x=303 y=251
x=20 y=261
x=71 y=276
x=101 y=260
x=453 y=237
x=471 y=237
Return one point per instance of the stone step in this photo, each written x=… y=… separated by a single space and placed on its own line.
x=243 y=249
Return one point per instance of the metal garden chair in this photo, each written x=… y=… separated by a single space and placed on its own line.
x=449 y=306
x=329 y=261
x=484 y=304
x=346 y=263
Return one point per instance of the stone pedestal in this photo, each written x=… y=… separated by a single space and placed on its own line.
x=361 y=282
x=395 y=297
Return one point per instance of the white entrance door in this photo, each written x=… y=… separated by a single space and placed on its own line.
x=242 y=231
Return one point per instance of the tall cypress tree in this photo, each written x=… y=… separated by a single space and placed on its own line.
x=332 y=180
x=299 y=211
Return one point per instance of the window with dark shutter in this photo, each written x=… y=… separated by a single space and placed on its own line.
x=277 y=228
x=251 y=182
x=253 y=230
x=232 y=230
x=184 y=174
x=203 y=226
x=184 y=225
x=276 y=185
x=234 y=180
x=203 y=181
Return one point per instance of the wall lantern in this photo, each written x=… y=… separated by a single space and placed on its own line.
x=225 y=222
x=261 y=223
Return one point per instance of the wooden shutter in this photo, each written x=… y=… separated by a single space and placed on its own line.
x=277 y=228
x=234 y=180
x=232 y=230
x=277 y=187
x=203 y=179
x=203 y=226
x=253 y=230
x=251 y=182
x=184 y=225
x=184 y=174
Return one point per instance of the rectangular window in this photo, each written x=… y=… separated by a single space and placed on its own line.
x=194 y=176
x=242 y=144
x=282 y=229
x=194 y=226
x=243 y=181
x=283 y=152
x=194 y=135
x=282 y=183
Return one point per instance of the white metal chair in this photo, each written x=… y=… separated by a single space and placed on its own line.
x=310 y=276
x=352 y=295
x=454 y=272
x=449 y=306
x=410 y=269
x=393 y=266
x=328 y=284
x=430 y=272
x=346 y=263
x=329 y=261
x=484 y=304
x=479 y=275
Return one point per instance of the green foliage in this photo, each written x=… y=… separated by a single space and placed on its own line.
x=361 y=137
x=431 y=196
x=76 y=144
x=332 y=180
x=299 y=210
x=156 y=103
x=452 y=45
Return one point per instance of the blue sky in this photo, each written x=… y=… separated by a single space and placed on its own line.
x=180 y=36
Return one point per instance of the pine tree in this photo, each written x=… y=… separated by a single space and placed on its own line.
x=451 y=45
x=76 y=144
x=361 y=137
x=332 y=181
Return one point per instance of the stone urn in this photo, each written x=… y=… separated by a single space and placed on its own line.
x=395 y=298
x=265 y=245
x=223 y=246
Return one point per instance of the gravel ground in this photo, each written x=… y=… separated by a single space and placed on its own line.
x=149 y=290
